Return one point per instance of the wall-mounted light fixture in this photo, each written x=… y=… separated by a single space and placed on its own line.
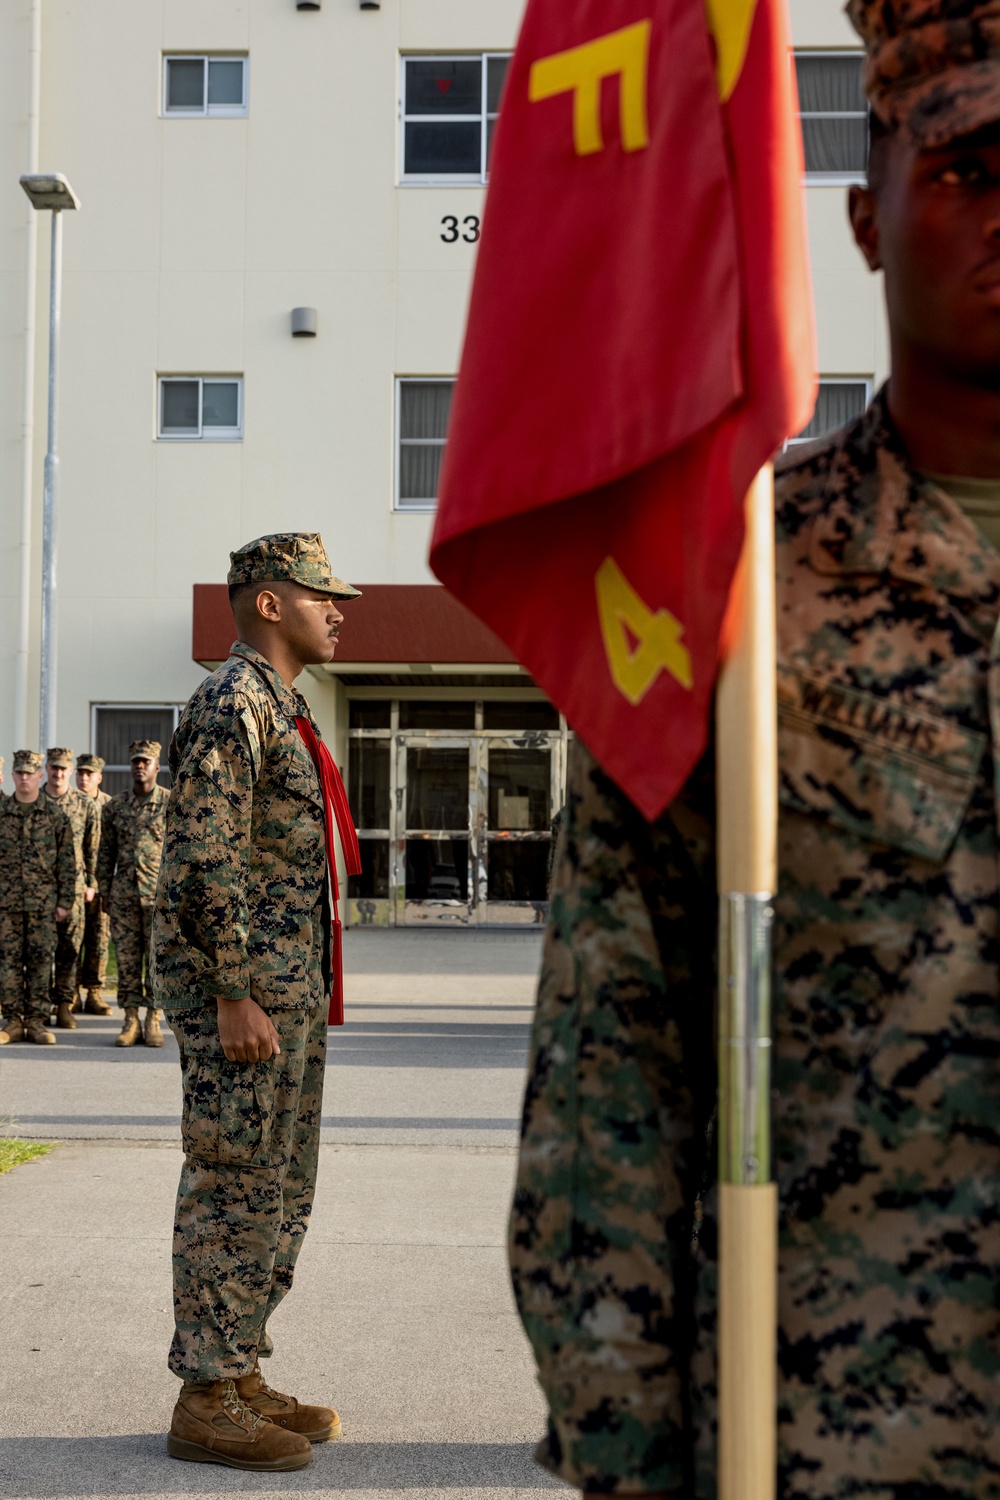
x=371 y=4
x=307 y=4
x=303 y=323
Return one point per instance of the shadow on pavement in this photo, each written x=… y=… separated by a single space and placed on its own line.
x=363 y=1043
x=139 y=1465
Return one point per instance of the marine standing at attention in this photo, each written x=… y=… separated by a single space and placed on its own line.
x=93 y=965
x=132 y=828
x=886 y=1027
x=242 y=967
x=85 y=822
x=38 y=883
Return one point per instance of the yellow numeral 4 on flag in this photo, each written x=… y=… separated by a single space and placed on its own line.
x=580 y=71
x=626 y=618
x=729 y=21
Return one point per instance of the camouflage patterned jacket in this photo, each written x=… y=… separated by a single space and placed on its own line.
x=85 y=820
x=886 y=1034
x=132 y=831
x=38 y=869
x=241 y=902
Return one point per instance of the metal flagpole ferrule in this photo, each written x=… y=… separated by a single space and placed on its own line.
x=745 y=926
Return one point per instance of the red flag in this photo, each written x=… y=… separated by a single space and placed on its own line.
x=639 y=343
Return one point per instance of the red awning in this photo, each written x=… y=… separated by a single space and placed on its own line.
x=391 y=622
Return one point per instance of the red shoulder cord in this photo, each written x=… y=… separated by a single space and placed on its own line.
x=335 y=806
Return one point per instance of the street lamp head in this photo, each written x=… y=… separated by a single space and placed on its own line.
x=49 y=190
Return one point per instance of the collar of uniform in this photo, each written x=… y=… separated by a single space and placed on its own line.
x=291 y=703
x=152 y=796
x=880 y=515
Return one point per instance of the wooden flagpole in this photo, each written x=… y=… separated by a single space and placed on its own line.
x=747 y=801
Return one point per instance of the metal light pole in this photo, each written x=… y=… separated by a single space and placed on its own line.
x=51 y=190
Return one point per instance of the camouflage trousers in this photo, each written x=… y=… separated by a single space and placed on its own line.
x=250 y=1133
x=69 y=937
x=27 y=946
x=93 y=965
x=131 y=924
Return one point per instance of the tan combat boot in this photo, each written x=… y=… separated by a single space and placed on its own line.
x=152 y=1035
x=34 y=1031
x=212 y=1425
x=65 y=1019
x=320 y=1424
x=131 y=1031
x=96 y=1005
x=13 y=1031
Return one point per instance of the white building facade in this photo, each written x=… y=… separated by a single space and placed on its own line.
x=264 y=294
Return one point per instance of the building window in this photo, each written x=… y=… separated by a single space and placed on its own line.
x=449 y=110
x=834 y=115
x=838 y=401
x=198 y=86
x=200 y=406
x=421 y=424
x=114 y=726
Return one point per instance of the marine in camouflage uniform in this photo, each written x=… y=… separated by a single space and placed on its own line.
x=242 y=910
x=86 y=824
x=93 y=966
x=132 y=832
x=886 y=1001
x=38 y=877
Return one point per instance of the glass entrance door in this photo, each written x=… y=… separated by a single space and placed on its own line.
x=515 y=832
x=434 y=877
x=453 y=802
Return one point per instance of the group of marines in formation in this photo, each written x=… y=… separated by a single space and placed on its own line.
x=78 y=866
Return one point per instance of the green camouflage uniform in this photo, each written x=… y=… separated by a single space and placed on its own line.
x=241 y=910
x=85 y=821
x=38 y=872
x=132 y=830
x=93 y=966
x=886 y=1037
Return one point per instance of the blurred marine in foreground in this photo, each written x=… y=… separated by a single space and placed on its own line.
x=887 y=941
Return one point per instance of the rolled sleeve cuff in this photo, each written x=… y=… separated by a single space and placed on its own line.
x=224 y=984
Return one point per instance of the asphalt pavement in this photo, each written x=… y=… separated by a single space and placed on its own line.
x=401 y=1315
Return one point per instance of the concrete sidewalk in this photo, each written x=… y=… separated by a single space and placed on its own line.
x=401 y=1315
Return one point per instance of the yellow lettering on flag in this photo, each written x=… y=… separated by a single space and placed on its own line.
x=659 y=648
x=729 y=21
x=580 y=71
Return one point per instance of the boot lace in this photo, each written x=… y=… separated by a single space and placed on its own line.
x=233 y=1402
x=266 y=1389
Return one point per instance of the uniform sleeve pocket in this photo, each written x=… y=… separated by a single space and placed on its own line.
x=882 y=770
x=226 y=775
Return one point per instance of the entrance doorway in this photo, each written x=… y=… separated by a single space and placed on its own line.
x=454 y=823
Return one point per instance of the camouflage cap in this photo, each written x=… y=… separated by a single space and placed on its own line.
x=144 y=750
x=27 y=760
x=58 y=755
x=89 y=763
x=933 y=67
x=298 y=556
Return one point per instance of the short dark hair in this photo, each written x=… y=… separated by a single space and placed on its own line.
x=239 y=591
x=879 y=136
